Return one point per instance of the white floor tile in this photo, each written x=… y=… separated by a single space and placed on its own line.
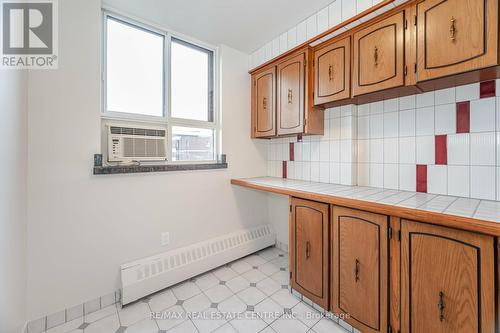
x=248 y=322
x=206 y=281
x=197 y=303
x=185 y=327
x=268 y=286
x=268 y=310
x=240 y=266
x=163 y=300
x=218 y=293
x=282 y=277
x=306 y=314
x=269 y=268
x=209 y=320
x=289 y=325
x=171 y=317
x=225 y=273
x=251 y=296
x=285 y=299
x=269 y=253
x=237 y=284
x=133 y=313
x=186 y=290
x=232 y=305
x=327 y=326
x=254 y=260
x=227 y=328
x=145 y=326
x=254 y=275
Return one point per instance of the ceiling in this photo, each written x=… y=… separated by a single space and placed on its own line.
x=244 y=25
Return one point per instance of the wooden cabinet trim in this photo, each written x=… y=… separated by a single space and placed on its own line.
x=395 y=55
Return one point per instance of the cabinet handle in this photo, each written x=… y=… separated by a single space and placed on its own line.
x=264 y=103
x=356 y=270
x=308 y=250
x=453 y=29
x=375 y=56
x=330 y=73
x=290 y=96
x=441 y=306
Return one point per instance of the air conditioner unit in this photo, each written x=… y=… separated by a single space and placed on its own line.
x=126 y=144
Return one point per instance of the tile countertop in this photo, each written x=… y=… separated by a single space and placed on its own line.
x=463 y=213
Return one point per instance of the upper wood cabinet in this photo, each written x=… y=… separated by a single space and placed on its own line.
x=360 y=268
x=264 y=103
x=332 y=72
x=456 y=36
x=291 y=91
x=448 y=280
x=309 y=224
x=379 y=56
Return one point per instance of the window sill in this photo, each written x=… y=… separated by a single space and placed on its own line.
x=120 y=169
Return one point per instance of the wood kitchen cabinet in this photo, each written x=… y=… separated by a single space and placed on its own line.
x=332 y=72
x=264 y=103
x=309 y=223
x=379 y=56
x=447 y=280
x=456 y=36
x=360 y=268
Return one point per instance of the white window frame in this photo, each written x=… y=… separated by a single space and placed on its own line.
x=166 y=120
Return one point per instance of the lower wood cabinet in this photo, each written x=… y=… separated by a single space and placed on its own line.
x=447 y=280
x=309 y=224
x=360 y=268
x=386 y=274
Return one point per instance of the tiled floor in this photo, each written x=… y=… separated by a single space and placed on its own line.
x=248 y=295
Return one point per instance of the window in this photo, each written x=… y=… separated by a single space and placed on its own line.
x=153 y=77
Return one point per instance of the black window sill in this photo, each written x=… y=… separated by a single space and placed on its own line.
x=120 y=169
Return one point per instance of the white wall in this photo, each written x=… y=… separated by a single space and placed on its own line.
x=13 y=134
x=82 y=227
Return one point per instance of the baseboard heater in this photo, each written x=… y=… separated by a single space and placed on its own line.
x=149 y=275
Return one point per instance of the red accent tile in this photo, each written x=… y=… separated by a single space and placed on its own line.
x=292 y=152
x=299 y=137
x=284 y=169
x=487 y=89
x=422 y=178
x=441 y=150
x=463 y=117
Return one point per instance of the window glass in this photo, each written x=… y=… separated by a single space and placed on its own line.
x=191 y=81
x=135 y=67
x=192 y=144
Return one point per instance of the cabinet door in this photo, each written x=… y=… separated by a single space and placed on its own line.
x=332 y=72
x=456 y=36
x=447 y=280
x=360 y=268
x=309 y=250
x=264 y=103
x=379 y=56
x=291 y=80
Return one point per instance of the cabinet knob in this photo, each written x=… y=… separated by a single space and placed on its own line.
x=308 y=250
x=264 y=103
x=330 y=72
x=290 y=96
x=375 y=56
